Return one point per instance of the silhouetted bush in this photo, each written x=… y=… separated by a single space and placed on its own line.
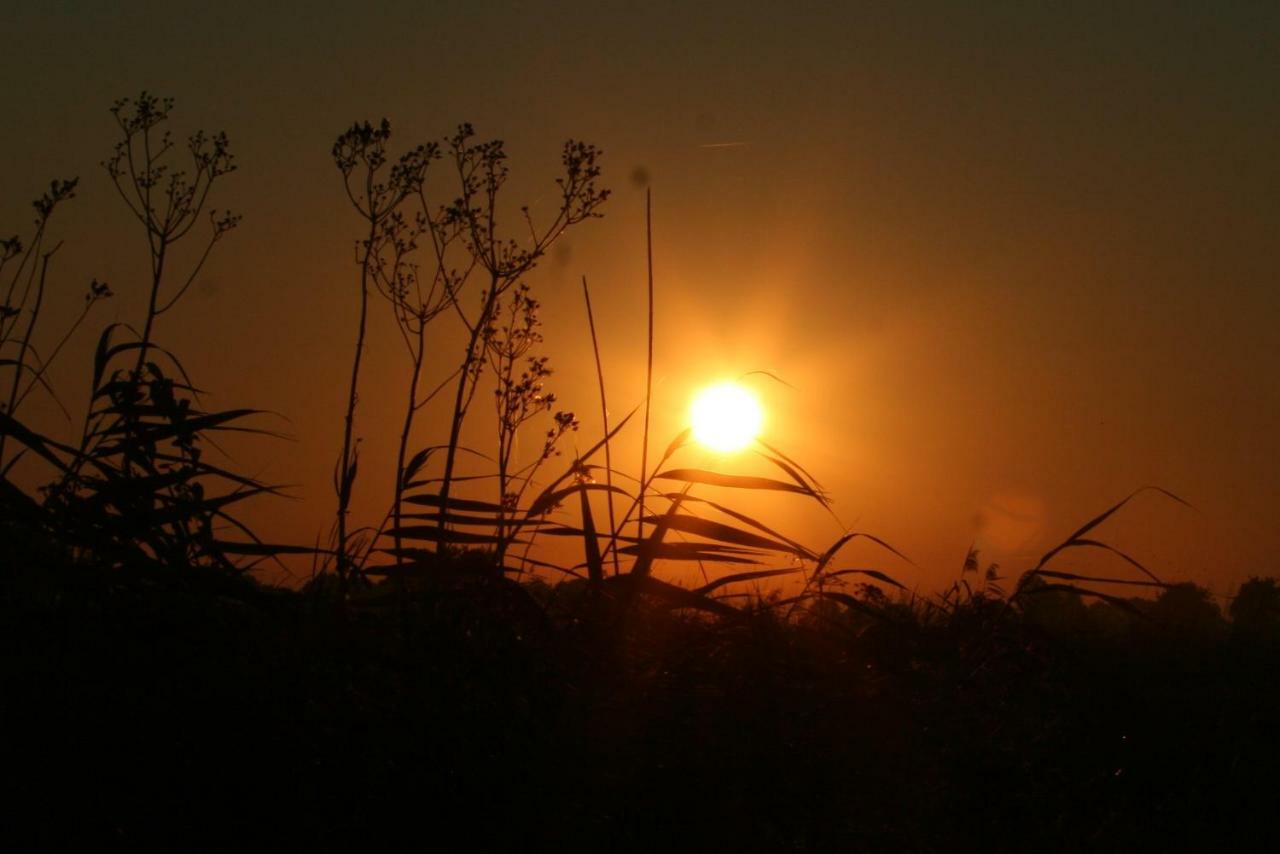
x=1255 y=610
x=1188 y=611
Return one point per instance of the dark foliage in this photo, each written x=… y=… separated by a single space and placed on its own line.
x=144 y=710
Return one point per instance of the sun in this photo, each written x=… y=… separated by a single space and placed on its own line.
x=726 y=417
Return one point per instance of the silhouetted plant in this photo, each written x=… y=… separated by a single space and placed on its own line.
x=137 y=490
x=1255 y=610
x=519 y=397
x=1042 y=579
x=502 y=338
x=466 y=243
x=417 y=296
x=376 y=188
x=742 y=541
x=26 y=268
x=604 y=418
x=1058 y=611
x=1188 y=610
x=166 y=201
x=504 y=261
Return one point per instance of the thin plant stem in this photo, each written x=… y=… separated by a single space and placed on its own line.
x=410 y=410
x=648 y=374
x=26 y=340
x=461 y=402
x=604 y=415
x=345 y=473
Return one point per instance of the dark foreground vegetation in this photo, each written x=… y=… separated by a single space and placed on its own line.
x=137 y=708
x=441 y=680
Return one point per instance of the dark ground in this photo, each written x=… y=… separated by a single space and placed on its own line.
x=139 y=711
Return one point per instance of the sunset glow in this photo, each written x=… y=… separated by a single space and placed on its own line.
x=726 y=417
x=599 y=426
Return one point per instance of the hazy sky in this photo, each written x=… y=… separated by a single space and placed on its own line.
x=1015 y=260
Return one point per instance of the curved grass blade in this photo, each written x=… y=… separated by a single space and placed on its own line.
x=1123 y=604
x=691 y=552
x=647 y=551
x=107 y=351
x=551 y=487
x=1115 y=551
x=207 y=469
x=1076 y=538
x=554 y=530
x=411 y=468
x=547 y=500
x=421 y=457
x=41 y=445
x=779 y=454
x=433 y=500
x=590 y=545
x=795 y=476
x=770 y=374
x=871 y=573
x=681 y=439
x=37 y=379
x=740 y=577
x=217 y=421
x=733 y=481
x=724 y=533
x=428 y=482
x=852 y=535
x=8 y=467
x=755 y=523
x=1097 y=579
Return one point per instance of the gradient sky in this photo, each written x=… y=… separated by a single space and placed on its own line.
x=1014 y=261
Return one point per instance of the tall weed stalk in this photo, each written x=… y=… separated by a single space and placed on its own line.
x=376 y=189
x=138 y=490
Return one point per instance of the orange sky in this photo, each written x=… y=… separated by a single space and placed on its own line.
x=1014 y=263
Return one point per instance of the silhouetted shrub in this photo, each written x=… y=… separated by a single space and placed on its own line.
x=1255 y=610
x=1189 y=611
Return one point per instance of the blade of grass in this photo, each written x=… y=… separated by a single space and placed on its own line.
x=604 y=417
x=1076 y=538
x=739 y=577
x=758 y=525
x=1097 y=579
x=546 y=501
x=576 y=466
x=871 y=573
x=724 y=533
x=692 y=552
x=644 y=562
x=734 y=481
x=648 y=375
x=591 y=546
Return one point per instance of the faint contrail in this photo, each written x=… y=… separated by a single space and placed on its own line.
x=725 y=145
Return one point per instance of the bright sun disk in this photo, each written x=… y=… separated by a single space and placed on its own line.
x=726 y=417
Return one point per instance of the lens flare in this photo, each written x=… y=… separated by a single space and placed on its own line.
x=726 y=417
